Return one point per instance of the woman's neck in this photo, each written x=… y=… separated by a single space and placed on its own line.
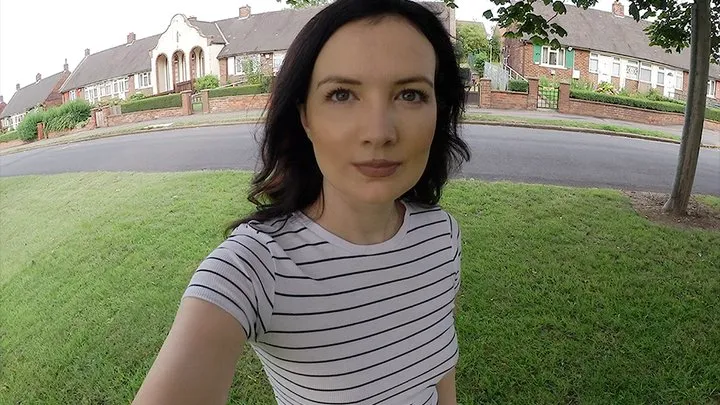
x=358 y=223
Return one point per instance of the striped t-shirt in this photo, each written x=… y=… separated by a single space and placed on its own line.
x=338 y=323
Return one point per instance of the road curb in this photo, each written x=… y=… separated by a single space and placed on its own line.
x=60 y=142
x=583 y=130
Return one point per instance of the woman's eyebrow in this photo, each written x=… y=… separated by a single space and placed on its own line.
x=355 y=82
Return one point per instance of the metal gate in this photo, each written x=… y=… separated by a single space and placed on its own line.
x=548 y=97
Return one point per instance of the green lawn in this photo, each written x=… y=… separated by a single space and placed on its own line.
x=9 y=136
x=568 y=296
x=572 y=124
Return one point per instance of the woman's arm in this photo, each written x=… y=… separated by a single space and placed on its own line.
x=446 y=389
x=197 y=362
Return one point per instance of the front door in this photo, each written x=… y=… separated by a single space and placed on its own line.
x=605 y=69
x=669 y=86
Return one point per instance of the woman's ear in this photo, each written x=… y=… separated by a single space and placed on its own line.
x=303 y=119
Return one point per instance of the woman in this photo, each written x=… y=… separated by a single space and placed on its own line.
x=343 y=281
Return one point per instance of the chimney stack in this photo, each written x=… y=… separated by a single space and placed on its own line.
x=66 y=67
x=130 y=38
x=38 y=77
x=87 y=51
x=17 y=87
x=192 y=18
x=245 y=11
x=618 y=9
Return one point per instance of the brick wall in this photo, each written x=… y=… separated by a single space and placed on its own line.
x=631 y=85
x=686 y=81
x=623 y=113
x=644 y=87
x=582 y=63
x=508 y=100
x=522 y=55
x=717 y=90
x=515 y=53
x=238 y=103
x=140 y=116
x=266 y=63
x=56 y=98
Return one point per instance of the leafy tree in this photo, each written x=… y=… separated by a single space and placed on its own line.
x=471 y=39
x=495 y=46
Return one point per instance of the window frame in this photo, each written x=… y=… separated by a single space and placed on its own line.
x=661 y=71
x=547 y=51
x=632 y=64
x=616 y=61
x=645 y=67
x=239 y=70
x=277 y=65
x=594 y=57
x=712 y=85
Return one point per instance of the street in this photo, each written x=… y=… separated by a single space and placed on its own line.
x=499 y=153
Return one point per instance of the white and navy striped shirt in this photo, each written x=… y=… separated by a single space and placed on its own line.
x=338 y=323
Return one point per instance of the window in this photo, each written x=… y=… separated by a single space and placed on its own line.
x=144 y=80
x=661 y=77
x=645 y=73
x=278 y=58
x=241 y=61
x=679 y=80
x=553 y=57
x=594 y=58
x=72 y=95
x=711 y=88
x=616 y=67
x=631 y=70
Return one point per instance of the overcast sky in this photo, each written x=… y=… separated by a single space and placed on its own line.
x=37 y=36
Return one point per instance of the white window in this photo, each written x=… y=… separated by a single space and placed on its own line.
x=91 y=93
x=645 y=73
x=72 y=96
x=144 y=80
x=594 y=62
x=661 y=77
x=553 y=57
x=711 y=88
x=679 y=80
x=241 y=61
x=616 y=67
x=632 y=70
x=278 y=58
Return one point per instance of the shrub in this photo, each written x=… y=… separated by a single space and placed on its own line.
x=478 y=65
x=236 y=91
x=27 y=129
x=67 y=116
x=152 y=103
x=547 y=82
x=606 y=88
x=577 y=84
x=206 y=82
x=712 y=114
x=518 y=85
x=9 y=136
x=136 y=97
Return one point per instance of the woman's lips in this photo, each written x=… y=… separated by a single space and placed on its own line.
x=377 y=168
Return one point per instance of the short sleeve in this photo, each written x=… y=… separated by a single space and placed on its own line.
x=456 y=238
x=239 y=277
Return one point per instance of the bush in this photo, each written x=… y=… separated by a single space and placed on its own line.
x=67 y=116
x=518 y=85
x=577 y=84
x=27 y=129
x=136 y=97
x=236 y=91
x=712 y=114
x=547 y=82
x=152 y=103
x=9 y=136
x=606 y=88
x=206 y=82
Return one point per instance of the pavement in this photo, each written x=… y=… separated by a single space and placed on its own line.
x=499 y=153
x=709 y=137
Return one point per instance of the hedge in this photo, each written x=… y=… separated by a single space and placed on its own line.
x=152 y=103
x=665 y=106
x=236 y=91
x=27 y=129
x=518 y=85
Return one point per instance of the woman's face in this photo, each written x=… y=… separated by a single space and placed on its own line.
x=371 y=109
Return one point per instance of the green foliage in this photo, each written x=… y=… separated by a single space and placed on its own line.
x=236 y=91
x=206 y=82
x=478 y=63
x=27 y=129
x=8 y=136
x=655 y=95
x=495 y=48
x=546 y=82
x=577 y=84
x=472 y=39
x=109 y=102
x=137 y=96
x=518 y=85
x=152 y=103
x=606 y=88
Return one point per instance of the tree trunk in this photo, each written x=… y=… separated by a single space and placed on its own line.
x=694 y=109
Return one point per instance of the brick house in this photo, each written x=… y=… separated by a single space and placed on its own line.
x=190 y=48
x=603 y=46
x=45 y=92
x=2 y=105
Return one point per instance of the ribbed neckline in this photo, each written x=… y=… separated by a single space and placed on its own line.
x=326 y=235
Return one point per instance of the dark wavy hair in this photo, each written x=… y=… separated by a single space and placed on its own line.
x=289 y=178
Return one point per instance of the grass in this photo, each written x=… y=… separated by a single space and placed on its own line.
x=9 y=136
x=568 y=296
x=571 y=124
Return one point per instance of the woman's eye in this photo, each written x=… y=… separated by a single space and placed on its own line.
x=339 y=95
x=412 y=96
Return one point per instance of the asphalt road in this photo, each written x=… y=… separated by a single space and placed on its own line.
x=499 y=153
